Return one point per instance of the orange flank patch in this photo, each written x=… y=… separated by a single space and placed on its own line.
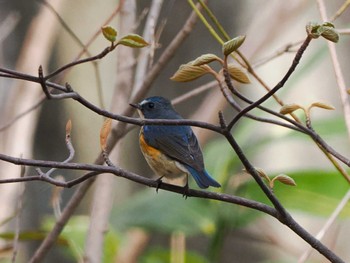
x=148 y=150
x=159 y=162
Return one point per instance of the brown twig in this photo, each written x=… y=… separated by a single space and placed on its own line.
x=278 y=86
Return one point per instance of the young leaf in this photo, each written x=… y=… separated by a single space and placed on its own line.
x=322 y=106
x=109 y=33
x=330 y=34
x=133 y=40
x=285 y=179
x=188 y=72
x=205 y=59
x=237 y=74
x=105 y=130
x=328 y=24
x=289 y=108
x=232 y=45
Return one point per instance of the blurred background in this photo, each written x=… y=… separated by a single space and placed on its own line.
x=140 y=225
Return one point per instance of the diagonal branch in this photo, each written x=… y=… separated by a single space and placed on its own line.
x=278 y=86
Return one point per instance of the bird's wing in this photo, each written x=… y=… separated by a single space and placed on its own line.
x=177 y=142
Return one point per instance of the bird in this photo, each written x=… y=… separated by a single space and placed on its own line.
x=171 y=151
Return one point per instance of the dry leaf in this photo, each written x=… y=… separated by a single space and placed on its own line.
x=68 y=127
x=105 y=130
x=289 y=108
x=285 y=179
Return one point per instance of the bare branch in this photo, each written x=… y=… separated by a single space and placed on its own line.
x=278 y=86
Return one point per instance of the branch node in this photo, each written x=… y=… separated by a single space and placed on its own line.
x=106 y=158
x=69 y=87
x=43 y=83
x=41 y=173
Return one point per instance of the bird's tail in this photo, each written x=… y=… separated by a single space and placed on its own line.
x=203 y=179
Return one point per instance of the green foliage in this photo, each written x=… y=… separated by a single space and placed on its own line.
x=109 y=33
x=133 y=40
x=130 y=40
x=325 y=30
x=232 y=45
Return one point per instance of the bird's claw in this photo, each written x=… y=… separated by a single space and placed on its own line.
x=159 y=182
x=186 y=191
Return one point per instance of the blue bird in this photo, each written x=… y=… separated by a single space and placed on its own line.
x=171 y=151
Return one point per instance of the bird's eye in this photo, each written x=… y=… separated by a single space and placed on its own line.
x=151 y=105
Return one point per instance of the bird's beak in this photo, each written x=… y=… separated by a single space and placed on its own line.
x=136 y=106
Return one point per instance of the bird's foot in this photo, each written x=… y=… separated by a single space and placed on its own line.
x=186 y=191
x=159 y=182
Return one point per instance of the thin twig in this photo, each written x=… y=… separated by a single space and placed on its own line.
x=95 y=169
x=70 y=157
x=118 y=133
x=340 y=11
x=285 y=49
x=81 y=61
x=277 y=87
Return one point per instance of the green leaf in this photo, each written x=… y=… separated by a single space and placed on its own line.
x=205 y=59
x=188 y=72
x=238 y=74
x=133 y=40
x=232 y=45
x=330 y=34
x=328 y=24
x=109 y=33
